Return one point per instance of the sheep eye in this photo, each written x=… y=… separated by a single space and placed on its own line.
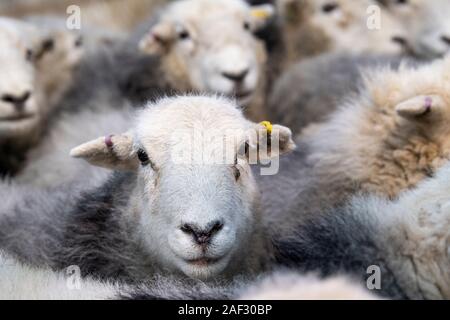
x=183 y=35
x=79 y=42
x=402 y=2
x=247 y=26
x=29 y=54
x=143 y=157
x=330 y=7
x=237 y=173
x=48 y=45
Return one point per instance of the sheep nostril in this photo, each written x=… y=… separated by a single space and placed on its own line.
x=400 y=40
x=446 y=40
x=216 y=227
x=236 y=76
x=17 y=101
x=186 y=228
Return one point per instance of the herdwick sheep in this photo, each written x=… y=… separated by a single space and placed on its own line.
x=172 y=206
x=389 y=137
x=197 y=57
x=25 y=78
x=400 y=247
x=427 y=23
x=312 y=27
x=313 y=88
x=209 y=46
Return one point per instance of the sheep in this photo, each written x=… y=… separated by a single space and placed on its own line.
x=118 y=77
x=427 y=23
x=209 y=46
x=403 y=243
x=160 y=211
x=313 y=88
x=23 y=104
x=384 y=140
x=312 y=27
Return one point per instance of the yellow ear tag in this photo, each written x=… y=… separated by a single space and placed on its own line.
x=268 y=126
x=260 y=14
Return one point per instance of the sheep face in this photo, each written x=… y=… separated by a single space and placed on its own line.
x=23 y=56
x=315 y=26
x=209 y=46
x=195 y=204
x=428 y=22
x=18 y=104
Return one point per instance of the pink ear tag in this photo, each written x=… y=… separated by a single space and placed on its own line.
x=108 y=141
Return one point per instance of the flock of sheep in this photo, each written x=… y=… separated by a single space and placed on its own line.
x=359 y=207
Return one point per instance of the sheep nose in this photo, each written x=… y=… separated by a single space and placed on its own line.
x=202 y=236
x=235 y=76
x=446 y=40
x=17 y=101
x=400 y=40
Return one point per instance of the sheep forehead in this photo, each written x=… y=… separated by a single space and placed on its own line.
x=202 y=12
x=17 y=33
x=162 y=126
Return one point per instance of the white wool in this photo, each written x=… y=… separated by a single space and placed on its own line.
x=21 y=282
x=293 y=286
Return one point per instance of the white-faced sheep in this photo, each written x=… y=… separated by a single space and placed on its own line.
x=400 y=248
x=386 y=139
x=178 y=207
x=312 y=27
x=209 y=46
x=184 y=53
x=312 y=89
x=427 y=23
x=23 y=104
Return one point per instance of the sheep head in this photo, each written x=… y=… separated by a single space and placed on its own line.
x=209 y=46
x=196 y=197
x=315 y=26
x=427 y=22
x=24 y=51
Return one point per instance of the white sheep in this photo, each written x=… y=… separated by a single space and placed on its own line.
x=209 y=46
x=170 y=208
x=427 y=23
x=25 y=80
x=383 y=140
x=118 y=78
x=400 y=248
x=312 y=27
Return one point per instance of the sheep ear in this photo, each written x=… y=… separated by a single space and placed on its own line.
x=158 y=39
x=420 y=106
x=261 y=15
x=111 y=152
x=266 y=141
